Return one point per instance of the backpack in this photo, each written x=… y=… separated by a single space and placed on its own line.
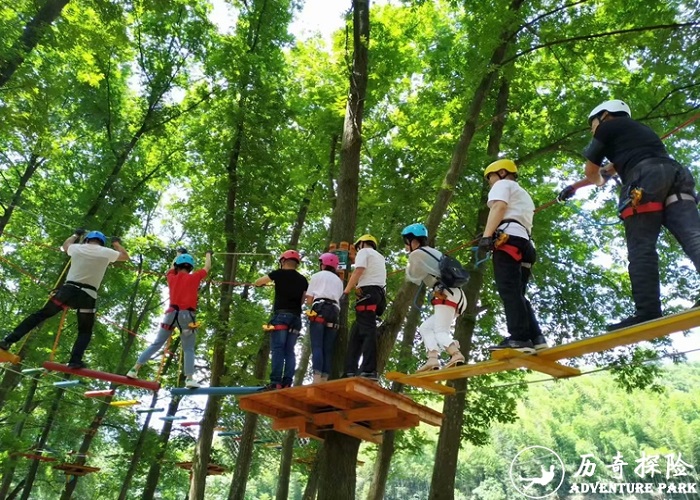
x=452 y=274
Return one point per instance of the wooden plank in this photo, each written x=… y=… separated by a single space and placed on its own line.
x=283 y=424
x=358 y=431
x=320 y=397
x=279 y=400
x=638 y=333
x=309 y=430
x=357 y=415
x=519 y=359
x=254 y=406
x=417 y=382
x=8 y=357
x=403 y=403
x=107 y=377
x=404 y=421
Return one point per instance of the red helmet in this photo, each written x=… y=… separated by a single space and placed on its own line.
x=291 y=255
x=329 y=259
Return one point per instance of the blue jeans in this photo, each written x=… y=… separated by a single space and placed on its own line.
x=323 y=337
x=282 y=344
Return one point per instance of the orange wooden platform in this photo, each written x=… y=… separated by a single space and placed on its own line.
x=212 y=469
x=8 y=357
x=76 y=469
x=545 y=361
x=354 y=406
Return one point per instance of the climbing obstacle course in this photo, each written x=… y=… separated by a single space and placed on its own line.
x=545 y=361
x=76 y=469
x=212 y=469
x=354 y=406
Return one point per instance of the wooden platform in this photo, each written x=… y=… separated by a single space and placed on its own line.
x=8 y=357
x=212 y=469
x=354 y=406
x=545 y=361
x=76 y=469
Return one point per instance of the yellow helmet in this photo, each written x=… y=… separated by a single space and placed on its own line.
x=507 y=165
x=366 y=237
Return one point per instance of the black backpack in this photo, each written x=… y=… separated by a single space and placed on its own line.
x=452 y=274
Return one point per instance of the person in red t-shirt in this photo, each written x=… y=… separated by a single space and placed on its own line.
x=184 y=286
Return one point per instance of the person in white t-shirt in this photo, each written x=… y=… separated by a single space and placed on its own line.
x=448 y=303
x=369 y=277
x=323 y=298
x=507 y=235
x=79 y=291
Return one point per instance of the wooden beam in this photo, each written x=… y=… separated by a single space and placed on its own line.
x=358 y=431
x=418 y=382
x=404 y=421
x=280 y=400
x=108 y=377
x=356 y=415
x=318 y=397
x=283 y=424
x=403 y=403
x=247 y=403
x=519 y=359
x=8 y=357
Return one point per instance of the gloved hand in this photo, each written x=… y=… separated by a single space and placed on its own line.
x=566 y=193
x=182 y=250
x=486 y=244
x=79 y=232
x=116 y=239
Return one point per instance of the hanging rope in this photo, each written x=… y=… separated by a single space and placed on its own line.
x=58 y=334
x=164 y=357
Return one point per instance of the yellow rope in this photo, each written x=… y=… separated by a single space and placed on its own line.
x=166 y=351
x=58 y=334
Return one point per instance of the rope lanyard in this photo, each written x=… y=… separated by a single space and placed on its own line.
x=58 y=334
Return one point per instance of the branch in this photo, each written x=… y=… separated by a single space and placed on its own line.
x=546 y=14
x=598 y=35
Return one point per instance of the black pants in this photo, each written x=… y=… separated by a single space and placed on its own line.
x=70 y=297
x=658 y=179
x=363 y=334
x=511 y=282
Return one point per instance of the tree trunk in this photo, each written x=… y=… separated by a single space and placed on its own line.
x=17 y=432
x=377 y=487
x=211 y=411
x=33 y=32
x=338 y=469
x=138 y=448
x=287 y=452
x=32 y=165
x=245 y=448
x=41 y=444
x=443 y=481
x=153 y=477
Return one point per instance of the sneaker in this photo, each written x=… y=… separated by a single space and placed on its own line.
x=76 y=365
x=191 y=383
x=133 y=373
x=370 y=376
x=632 y=320
x=518 y=345
x=540 y=343
x=4 y=345
x=349 y=375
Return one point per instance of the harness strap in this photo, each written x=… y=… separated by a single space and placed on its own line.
x=678 y=197
x=511 y=250
x=649 y=207
x=445 y=302
x=81 y=285
x=368 y=307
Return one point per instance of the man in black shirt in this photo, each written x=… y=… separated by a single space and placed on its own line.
x=657 y=191
x=290 y=288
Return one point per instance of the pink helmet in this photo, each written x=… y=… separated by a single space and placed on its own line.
x=292 y=255
x=329 y=259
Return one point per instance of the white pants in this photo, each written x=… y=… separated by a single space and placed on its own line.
x=436 y=330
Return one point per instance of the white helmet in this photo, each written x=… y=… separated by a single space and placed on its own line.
x=614 y=106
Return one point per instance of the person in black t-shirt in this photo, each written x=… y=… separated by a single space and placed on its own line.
x=657 y=191
x=290 y=288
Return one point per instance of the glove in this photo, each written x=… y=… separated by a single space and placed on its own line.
x=182 y=250
x=486 y=244
x=566 y=193
x=79 y=232
x=116 y=239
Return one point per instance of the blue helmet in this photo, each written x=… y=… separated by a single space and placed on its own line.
x=184 y=258
x=96 y=235
x=413 y=231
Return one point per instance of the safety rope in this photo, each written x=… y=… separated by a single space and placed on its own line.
x=164 y=357
x=58 y=334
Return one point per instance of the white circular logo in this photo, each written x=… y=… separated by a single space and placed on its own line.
x=536 y=472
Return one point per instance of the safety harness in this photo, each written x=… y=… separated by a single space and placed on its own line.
x=82 y=286
x=500 y=242
x=314 y=317
x=632 y=206
x=170 y=327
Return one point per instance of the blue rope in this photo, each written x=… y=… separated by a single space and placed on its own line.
x=591 y=222
x=476 y=256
